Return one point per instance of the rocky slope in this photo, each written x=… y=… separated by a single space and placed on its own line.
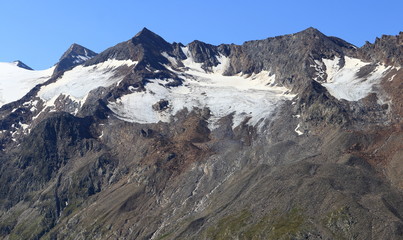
x=75 y=55
x=292 y=137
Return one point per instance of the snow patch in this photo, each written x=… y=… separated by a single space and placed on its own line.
x=172 y=60
x=224 y=64
x=393 y=77
x=24 y=126
x=320 y=73
x=332 y=67
x=79 y=81
x=190 y=63
x=132 y=89
x=344 y=84
x=298 y=131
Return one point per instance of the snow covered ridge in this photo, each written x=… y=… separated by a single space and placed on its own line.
x=244 y=97
x=79 y=81
x=15 y=81
x=345 y=83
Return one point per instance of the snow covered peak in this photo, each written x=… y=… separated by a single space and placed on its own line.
x=16 y=81
x=20 y=64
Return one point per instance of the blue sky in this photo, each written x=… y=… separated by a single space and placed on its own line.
x=38 y=32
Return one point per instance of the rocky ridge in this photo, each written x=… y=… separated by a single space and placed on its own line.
x=79 y=163
x=22 y=65
x=75 y=55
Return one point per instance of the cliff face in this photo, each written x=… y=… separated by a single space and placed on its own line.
x=387 y=49
x=296 y=136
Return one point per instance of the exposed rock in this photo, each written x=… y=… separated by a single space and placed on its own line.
x=75 y=55
x=387 y=49
x=161 y=105
x=22 y=65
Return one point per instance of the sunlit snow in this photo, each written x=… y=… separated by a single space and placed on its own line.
x=253 y=97
x=343 y=83
x=79 y=81
x=299 y=132
x=15 y=81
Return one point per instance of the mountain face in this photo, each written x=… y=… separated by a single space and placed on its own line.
x=291 y=137
x=75 y=55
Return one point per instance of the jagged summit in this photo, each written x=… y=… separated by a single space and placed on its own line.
x=145 y=48
x=316 y=34
x=20 y=64
x=75 y=55
x=150 y=39
x=151 y=42
x=387 y=49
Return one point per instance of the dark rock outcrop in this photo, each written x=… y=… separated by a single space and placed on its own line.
x=22 y=65
x=75 y=55
x=145 y=48
x=387 y=49
x=289 y=57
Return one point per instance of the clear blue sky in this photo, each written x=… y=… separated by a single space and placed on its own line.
x=37 y=32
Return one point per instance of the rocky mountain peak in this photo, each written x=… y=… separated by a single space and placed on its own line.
x=20 y=64
x=145 y=48
x=204 y=53
x=75 y=55
x=149 y=39
x=290 y=57
x=387 y=49
x=312 y=32
x=145 y=32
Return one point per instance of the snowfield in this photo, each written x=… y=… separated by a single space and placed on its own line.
x=343 y=83
x=246 y=97
x=79 y=81
x=15 y=81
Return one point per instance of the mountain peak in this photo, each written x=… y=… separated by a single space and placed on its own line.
x=75 y=55
x=144 y=46
x=20 y=64
x=77 y=50
x=147 y=37
x=145 y=31
x=311 y=31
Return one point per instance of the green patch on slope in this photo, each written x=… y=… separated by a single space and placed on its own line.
x=275 y=225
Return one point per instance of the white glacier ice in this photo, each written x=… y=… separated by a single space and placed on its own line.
x=15 y=81
x=254 y=97
x=79 y=81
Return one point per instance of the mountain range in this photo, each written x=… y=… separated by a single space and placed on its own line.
x=290 y=137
